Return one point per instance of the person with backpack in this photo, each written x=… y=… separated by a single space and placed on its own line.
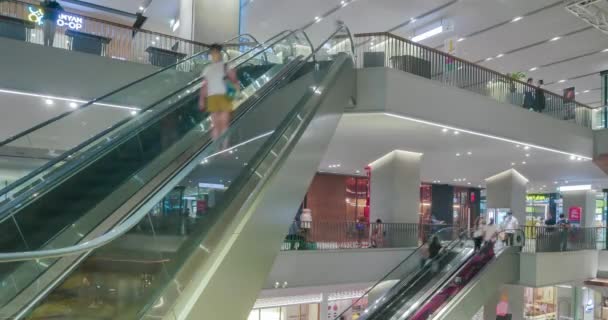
x=220 y=86
x=564 y=226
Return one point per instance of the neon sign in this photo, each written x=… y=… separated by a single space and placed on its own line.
x=64 y=20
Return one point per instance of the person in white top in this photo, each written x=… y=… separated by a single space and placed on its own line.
x=509 y=226
x=215 y=97
x=490 y=231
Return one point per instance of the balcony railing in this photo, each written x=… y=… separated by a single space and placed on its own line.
x=20 y=20
x=322 y=235
x=557 y=239
x=388 y=50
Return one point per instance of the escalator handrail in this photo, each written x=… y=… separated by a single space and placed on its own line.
x=449 y=280
x=91 y=102
x=395 y=268
x=283 y=35
x=126 y=225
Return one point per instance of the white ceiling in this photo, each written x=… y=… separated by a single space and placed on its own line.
x=266 y=17
x=543 y=20
x=361 y=139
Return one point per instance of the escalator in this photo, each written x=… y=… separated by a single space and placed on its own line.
x=159 y=262
x=455 y=287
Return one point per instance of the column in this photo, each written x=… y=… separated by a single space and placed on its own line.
x=395 y=187
x=585 y=199
x=184 y=18
x=508 y=190
x=515 y=295
x=215 y=21
x=323 y=314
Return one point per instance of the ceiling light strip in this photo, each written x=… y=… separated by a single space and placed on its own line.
x=36 y=95
x=510 y=20
x=435 y=124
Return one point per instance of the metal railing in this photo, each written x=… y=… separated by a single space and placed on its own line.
x=117 y=41
x=557 y=239
x=388 y=50
x=333 y=235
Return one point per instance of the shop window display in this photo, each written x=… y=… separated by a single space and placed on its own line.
x=292 y=312
x=539 y=303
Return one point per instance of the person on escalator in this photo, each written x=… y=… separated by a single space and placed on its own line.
x=220 y=86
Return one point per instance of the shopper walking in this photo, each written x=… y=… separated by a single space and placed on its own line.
x=220 y=87
x=539 y=100
x=377 y=234
x=510 y=226
x=51 y=10
x=529 y=95
x=564 y=227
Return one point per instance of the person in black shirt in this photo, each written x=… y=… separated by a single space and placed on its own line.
x=539 y=102
x=51 y=10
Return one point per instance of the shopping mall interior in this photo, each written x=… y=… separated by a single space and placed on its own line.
x=440 y=160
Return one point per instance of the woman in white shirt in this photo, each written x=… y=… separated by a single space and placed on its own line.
x=214 y=94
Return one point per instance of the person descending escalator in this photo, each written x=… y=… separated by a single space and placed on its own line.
x=461 y=279
x=220 y=87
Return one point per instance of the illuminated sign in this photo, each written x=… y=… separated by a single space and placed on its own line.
x=64 y=20
x=537 y=197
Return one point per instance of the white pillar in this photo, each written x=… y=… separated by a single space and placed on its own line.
x=215 y=21
x=185 y=19
x=515 y=296
x=508 y=190
x=323 y=314
x=395 y=187
x=584 y=199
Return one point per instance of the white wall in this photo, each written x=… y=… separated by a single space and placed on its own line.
x=318 y=268
x=425 y=99
x=215 y=21
x=34 y=68
x=544 y=269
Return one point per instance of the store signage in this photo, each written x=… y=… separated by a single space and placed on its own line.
x=211 y=185
x=64 y=20
x=574 y=214
x=537 y=197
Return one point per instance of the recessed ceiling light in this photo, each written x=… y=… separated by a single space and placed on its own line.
x=572 y=157
x=458 y=154
x=605 y=50
x=523 y=162
x=49 y=102
x=500 y=55
x=469 y=152
x=153 y=43
x=456 y=132
x=412 y=20
x=516 y=19
x=517 y=146
x=489 y=59
x=358 y=171
x=527 y=155
x=586 y=91
x=533 y=69
x=526 y=147
x=512 y=163
x=561 y=81
x=444 y=130
x=141 y=8
x=73 y=105
x=555 y=38
x=133 y=112
x=462 y=39
x=468 y=183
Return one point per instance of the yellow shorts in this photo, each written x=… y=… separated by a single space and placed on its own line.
x=219 y=103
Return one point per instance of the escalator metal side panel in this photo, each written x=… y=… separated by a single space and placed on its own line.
x=226 y=285
x=503 y=269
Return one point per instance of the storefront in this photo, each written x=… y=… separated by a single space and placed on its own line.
x=540 y=303
x=292 y=312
